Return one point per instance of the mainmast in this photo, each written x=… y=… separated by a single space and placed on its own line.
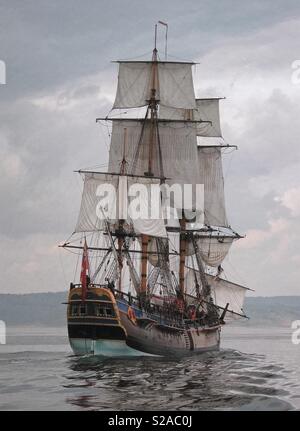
x=124 y=162
x=152 y=141
x=153 y=106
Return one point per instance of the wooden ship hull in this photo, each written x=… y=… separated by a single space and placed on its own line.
x=111 y=325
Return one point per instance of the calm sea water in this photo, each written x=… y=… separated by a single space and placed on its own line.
x=256 y=369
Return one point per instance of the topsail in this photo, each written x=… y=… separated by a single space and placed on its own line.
x=173 y=82
x=174 y=153
x=205 y=114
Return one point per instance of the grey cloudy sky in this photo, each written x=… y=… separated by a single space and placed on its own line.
x=59 y=79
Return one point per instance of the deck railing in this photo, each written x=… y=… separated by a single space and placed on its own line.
x=167 y=315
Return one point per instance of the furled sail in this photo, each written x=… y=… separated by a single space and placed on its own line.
x=206 y=114
x=175 y=84
x=113 y=196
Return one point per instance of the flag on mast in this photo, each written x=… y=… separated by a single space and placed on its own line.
x=85 y=268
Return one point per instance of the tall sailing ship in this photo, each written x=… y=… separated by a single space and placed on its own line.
x=154 y=285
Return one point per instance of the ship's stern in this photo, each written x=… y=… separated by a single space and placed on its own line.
x=94 y=326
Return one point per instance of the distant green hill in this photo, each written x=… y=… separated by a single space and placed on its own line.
x=34 y=309
x=47 y=309
x=279 y=310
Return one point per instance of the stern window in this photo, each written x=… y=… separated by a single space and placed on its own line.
x=104 y=310
x=83 y=310
x=74 y=310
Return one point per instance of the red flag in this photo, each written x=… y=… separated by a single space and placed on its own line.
x=85 y=268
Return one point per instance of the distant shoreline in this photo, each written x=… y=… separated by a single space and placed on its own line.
x=47 y=310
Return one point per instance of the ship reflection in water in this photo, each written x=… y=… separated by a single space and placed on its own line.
x=220 y=380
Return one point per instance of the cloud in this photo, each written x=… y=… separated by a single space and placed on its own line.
x=255 y=237
x=261 y=179
x=291 y=200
